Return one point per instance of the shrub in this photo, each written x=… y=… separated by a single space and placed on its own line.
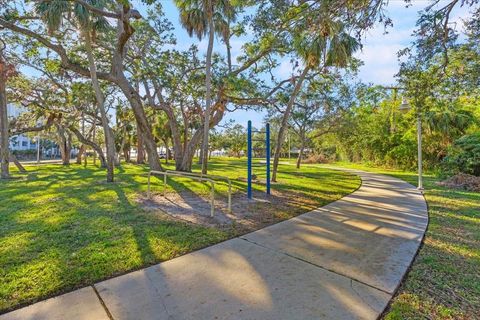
x=25 y=154
x=464 y=156
x=402 y=156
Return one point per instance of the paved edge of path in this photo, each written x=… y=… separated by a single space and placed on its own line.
x=341 y=261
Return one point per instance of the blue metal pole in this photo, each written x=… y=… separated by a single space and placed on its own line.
x=249 y=160
x=267 y=143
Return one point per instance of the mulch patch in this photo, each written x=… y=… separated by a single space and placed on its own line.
x=462 y=181
x=246 y=215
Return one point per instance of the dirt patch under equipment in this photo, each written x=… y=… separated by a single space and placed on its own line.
x=246 y=215
x=462 y=181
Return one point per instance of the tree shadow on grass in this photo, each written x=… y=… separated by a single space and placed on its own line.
x=64 y=227
x=91 y=232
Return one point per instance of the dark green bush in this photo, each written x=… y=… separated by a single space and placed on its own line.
x=25 y=154
x=464 y=156
x=403 y=156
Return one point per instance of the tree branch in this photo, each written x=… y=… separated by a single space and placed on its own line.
x=60 y=50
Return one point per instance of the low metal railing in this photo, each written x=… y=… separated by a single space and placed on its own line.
x=194 y=176
x=212 y=176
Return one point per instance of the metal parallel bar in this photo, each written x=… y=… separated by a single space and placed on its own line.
x=249 y=161
x=175 y=174
x=211 y=176
x=267 y=142
x=178 y=174
x=201 y=175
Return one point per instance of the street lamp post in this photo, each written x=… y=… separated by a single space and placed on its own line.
x=419 y=150
x=405 y=107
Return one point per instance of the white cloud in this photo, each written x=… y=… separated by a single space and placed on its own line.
x=380 y=45
x=380 y=49
x=380 y=63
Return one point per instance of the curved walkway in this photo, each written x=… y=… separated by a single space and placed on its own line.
x=341 y=261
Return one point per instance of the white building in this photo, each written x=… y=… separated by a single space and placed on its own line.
x=19 y=142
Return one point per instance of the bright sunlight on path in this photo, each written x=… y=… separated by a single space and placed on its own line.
x=341 y=261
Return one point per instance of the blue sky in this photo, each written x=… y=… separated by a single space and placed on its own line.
x=379 y=52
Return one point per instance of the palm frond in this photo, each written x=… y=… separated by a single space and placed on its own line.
x=51 y=13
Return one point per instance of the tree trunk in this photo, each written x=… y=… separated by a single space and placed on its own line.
x=121 y=147
x=17 y=163
x=200 y=155
x=108 y=132
x=65 y=152
x=124 y=31
x=284 y=124
x=126 y=153
x=300 y=153
x=187 y=159
x=94 y=138
x=92 y=144
x=64 y=144
x=189 y=153
x=208 y=87
x=81 y=150
x=69 y=146
x=4 y=138
x=165 y=142
x=184 y=151
x=169 y=154
x=140 y=148
x=142 y=122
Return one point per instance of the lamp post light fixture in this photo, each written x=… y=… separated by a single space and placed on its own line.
x=405 y=107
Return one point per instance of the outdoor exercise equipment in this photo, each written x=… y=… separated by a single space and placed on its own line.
x=250 y=141
x=194 y=176
x=213 y=177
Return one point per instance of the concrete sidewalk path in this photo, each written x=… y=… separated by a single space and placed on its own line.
x=342 y=261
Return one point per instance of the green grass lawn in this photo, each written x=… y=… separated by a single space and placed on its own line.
x=63 y=227
x=444 y=281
